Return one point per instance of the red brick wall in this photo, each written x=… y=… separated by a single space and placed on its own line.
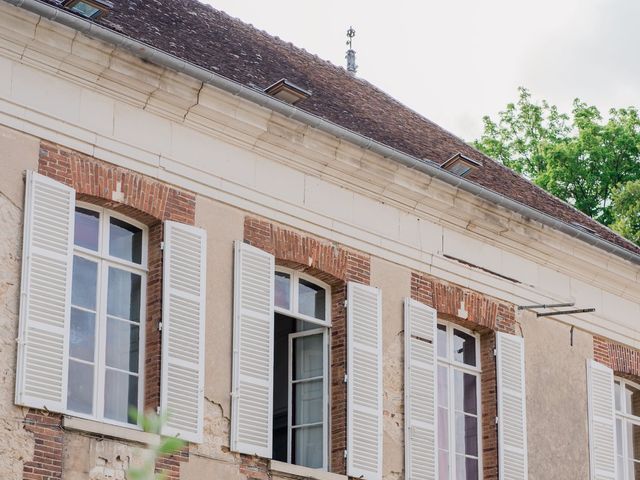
x=486 y=315
x=334 y=265
x=47 y=454
x=148 y=201
x=621 y=359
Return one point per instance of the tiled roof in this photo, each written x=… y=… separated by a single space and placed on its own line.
x=213 y=40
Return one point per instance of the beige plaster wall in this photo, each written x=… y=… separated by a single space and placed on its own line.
x=90 y=458
x=17 y=153
x=224 y=225
x=556 y=383
x=395 y=283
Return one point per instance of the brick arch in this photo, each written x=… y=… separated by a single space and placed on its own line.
x=132 y=193
x=334 y=265
x=623 y=360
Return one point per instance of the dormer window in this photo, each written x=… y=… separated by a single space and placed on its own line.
x=92 y=9
x=460 y=165
x=287 y=92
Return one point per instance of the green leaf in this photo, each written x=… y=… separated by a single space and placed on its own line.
x=170 y=446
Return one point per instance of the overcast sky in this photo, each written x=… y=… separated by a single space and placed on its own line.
x=457 y=60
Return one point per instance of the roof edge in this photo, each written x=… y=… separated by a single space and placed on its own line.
x=172 y=62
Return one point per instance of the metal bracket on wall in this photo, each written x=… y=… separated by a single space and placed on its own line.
x=555 y=305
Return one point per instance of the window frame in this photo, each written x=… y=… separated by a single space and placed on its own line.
x=294 y=279
x=324 y=328
x=626 y=419
x=104 y=260
x=452 y=365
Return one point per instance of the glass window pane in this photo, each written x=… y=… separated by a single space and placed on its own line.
x=443 y=465
x=122 y=345
x=283 y=290
x=123 y=297
x=471 y=468
x=443 y=386
x=120 y=395
x=633 y=441
x=87 y=228
x=307 y=446
x=82 y=335
x=443 y=428
x=632 y=400
x=466 y=434
x=80 y=389
x=616 y=388
x=311 y=300
x=85 y=280
x=308 y=356
x=307 y=402
x=465 y=392
x=442 y=341
x=125 y=241
x=464 y=348
x=461 y=468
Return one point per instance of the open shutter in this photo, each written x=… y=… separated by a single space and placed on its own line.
x=420 y=324
x=183 y=318
x=252 y=405
x=601 y=421
x=364 y=381
x=512 y=418
x=47 y=259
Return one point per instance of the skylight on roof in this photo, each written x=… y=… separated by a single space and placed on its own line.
x=92 y=9
x=460 y=165
x=287 y=92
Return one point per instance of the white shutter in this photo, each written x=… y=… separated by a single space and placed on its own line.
x=420 y=324
x=601 y=421
x=252 y=405
x=47 y=259
x=364 y=381
x=512 y=418
x=183 y=320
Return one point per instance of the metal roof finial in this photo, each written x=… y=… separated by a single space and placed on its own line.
x=351 y=53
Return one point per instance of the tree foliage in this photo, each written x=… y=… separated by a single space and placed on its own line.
x=581 y=158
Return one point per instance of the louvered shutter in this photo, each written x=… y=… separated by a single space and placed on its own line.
x=364 y=381
x=252 y=406
x=183 y=319
x=420 y=324
x=512 y=419
x=601 y=421
x=47 y=259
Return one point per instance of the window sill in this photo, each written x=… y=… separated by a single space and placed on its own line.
x=108 y=430
x=304 y=472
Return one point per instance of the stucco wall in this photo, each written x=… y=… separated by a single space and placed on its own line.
x=395 y=283
x=17 y=153
x=556 y=383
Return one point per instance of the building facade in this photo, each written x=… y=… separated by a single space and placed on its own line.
x=301 y=302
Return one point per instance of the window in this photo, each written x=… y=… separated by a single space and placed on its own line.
x=106 y=338
x=458 y=403
x=627 y=399
x=300 y=369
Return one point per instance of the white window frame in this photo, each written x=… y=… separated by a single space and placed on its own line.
x=451 y=366
x=626 y=419
x=294 y=277
x=104 y=261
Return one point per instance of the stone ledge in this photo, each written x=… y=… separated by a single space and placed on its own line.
x=108 y=430
x=303 y=472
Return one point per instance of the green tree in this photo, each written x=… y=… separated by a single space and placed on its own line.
x=626 y=210
x=153 y=423
x=581 y=158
